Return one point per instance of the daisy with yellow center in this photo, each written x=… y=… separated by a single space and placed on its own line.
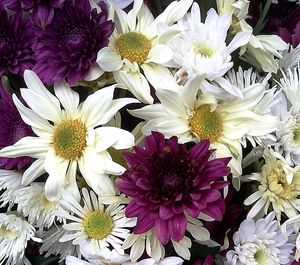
x=69 y=137
x=191 y=116
x=136 y=54
x=97 y=229
x=278 y=189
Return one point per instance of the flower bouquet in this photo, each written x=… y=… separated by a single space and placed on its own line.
x=149 y=132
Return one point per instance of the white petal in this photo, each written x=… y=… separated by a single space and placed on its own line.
x=109 y=60
x=190 y=90
x=159 y=54
x=34 y=171
x=67 y=97
x=96 y=105
x=28 y=146
x=240 y=39
x=94 y=73
x=53 y=187
x=136 y=83
x=150 y=112
x=258 y=206
x=41 y=105
x=111 y=136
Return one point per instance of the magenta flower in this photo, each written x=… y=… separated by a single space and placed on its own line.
x=17 y=42
x=42 y=10
x=209 y=260
x=167 y=180
x=12 y=129
x=70 y=43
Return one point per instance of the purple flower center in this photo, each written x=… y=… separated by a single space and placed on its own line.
x=4 y=42
x=74 y=37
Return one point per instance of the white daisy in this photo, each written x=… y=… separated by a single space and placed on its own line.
x=34 y=205
x=200 y=49
x=10 y=180
x=279 y=187
x=288 y=111
x=190 y=117
x=135 y=45
x=53 y=247
x=69 y=137
x=260 y=243
x=14 y=235
x=95 y=228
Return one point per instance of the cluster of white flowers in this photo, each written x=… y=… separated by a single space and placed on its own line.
x=183 y=71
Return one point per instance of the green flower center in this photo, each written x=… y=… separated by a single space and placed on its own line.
x=260 y=257
x=296 y=135
x=97 y=224
x=69 y=139
x=206 y=124
x=133 y=46
x=6 y=233
x=204 y=50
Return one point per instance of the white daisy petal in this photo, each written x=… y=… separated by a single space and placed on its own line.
x=109 y=60
x=33 y=172
x=159 y=54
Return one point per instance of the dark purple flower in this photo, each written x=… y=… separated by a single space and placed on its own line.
x=166 y=180
x=42 y=10
x=17 y=42
x=283 y=19
x=12 y=129
x=209 y=260
x=70 y=43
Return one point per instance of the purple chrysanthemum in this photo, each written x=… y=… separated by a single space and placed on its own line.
x=12 y=129
x=70 y=43
x=17 y=42
x=42 y=10
x=167 y=180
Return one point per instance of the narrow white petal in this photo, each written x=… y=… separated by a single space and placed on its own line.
x=53 y=187
x=67 y=97
x=160 y=54
x=28 y=146
x=94 y=73
x=150 y=112
x=34 y=171
x=40 y=105
x=109 y=60
x=240 y=39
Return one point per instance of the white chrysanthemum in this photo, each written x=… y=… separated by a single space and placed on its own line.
x=95 y=228
x=190 y=117
x=290 y=58
x=261 y=50
x=14 y=235
x=260 y=243
x=288 y=111
x=33 y=204
x=167 y=261
x=279 y=187
x=53 y=247
x=69 y=137
x=10 y=181
x=200 y=49
x=135 y=46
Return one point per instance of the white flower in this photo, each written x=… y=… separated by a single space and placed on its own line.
x=14 y=235
x=288 y=111
x=135 y=45
x=11 y=181
x=260 y=243
x=52 y=245
x=33 y=204
x=200 y=49
x=73 y=137
x=190 y=117
x=279 y=187
x=290 y=58
x=94 y=227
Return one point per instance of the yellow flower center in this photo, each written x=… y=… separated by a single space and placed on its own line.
x=6 y=233
x=206 y=124
x=296 y=135
x=278 y=184
x=97 y=224
x=204 y=50
x=133 y=46
x=69 y=139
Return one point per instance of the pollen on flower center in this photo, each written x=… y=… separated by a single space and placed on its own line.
x=97 y=224
x=204 y=50
x=7 y=233
x=69 y=139
x=278 y=184
x=206 y=124
x=133 y=46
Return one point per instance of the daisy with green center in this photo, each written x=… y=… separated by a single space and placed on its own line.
x=95 y=227
x=135 y=47
x=192 y=116
x=278 y=189
x=69 y=137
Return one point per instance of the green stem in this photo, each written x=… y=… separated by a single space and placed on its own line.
x=262 y=21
